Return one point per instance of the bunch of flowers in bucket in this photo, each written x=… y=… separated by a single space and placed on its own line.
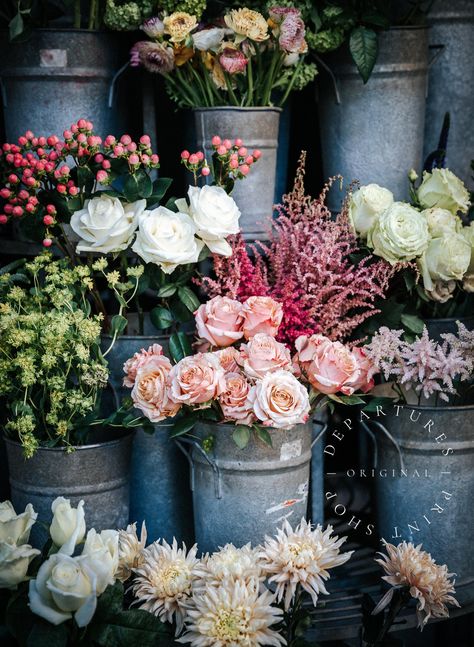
x=257 y=385
x=242 y=59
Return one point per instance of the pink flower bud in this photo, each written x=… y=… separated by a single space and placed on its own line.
x=33 y=199
x=238 y=142
x=51 y=209
x=8 y=208
x=222 y=150
x=155 y=159
x=110 y=140
x=42 y=141
x=134 y=159
x=22 y=141
x=200 y=155
x=132 y=147
x=205 y=171
x=185 y=155
x=53 y=156
x=81 y=138
x=145 y=159
x=64 y=170
x=73 y=190
x=193 y=159
x=48 y=220
x=23 y=194
x=13 y=179
x=234 y=163
x=257 y=154
x=29 y=134
x=61 y=188
x=74 y=128
x=227 y=143
x=30 y=207
x=47 y=242
x=17 y=211
x=40 y=166
x=89 y=125
x=106 y=164
x=34 y=141
x=216 y=140
x=242 y=151
x=5 y=193
x=118 y=150
x=10 y=158
x=3 y=219
x=244 y=169
x=145 y=140
x=125 y=140
x=249 y=160
x=82 y=123
x=99 y=158
x=67 y=134
x=101 y=176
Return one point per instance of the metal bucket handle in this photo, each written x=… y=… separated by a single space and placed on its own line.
x=440 y=49
x=321 y=433
x=389 y=436
x=113 y=83
x=213 y=464
x=333 y=78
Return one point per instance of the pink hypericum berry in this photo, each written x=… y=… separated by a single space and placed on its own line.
x=27 y=173
x=234 y=163
x=200 y=155
x=242 y=151
x=134 y=159
x=82 y=138
x=82 y=123
x=106 y=164
x=99 y=158
x=5 y=193
x=53 y=156
x=125 y=140
x=11 y=158
x=118 y=150
x=101 y=176
x=155 y=159
x=90 y=125
x=29 y=134
x=33 y=199
x=40 y=166
x=73 y=190
x=13 y=179
x=227 y=143
x=47 y=242
x=110 y=140
x=48 y=167
x=64 y=170
x=30 y=207
x=67 y=134
x=222 y=150
x=145 y=158
x=6 y=147
x=205 y=170
x=132 y=147
x=249 y=160
x=3 y=219
x=34 y=141
x=8 y=208
x=145 y=140
x=74 y=128
x=216 y=140
x=17 y=211
x=244 y=169
x=51 y=209
x=23 y=194
x=42 y=141
x=185 y=155
x=62 y=188
x=48 y=220
x=257 y=154
x=238 y=142
x=22 y=141
x=193 y=159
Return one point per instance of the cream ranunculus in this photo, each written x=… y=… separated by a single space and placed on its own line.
x=247 y=23
x=441 y=188
x=105 y=224
x=14 y=562
x=167 y=239
x=178 y=25
x=366 y=205
x=15 y=528
x=441 y=221
x=279 y=400
x=64 y=587
x=399 y=234
x=68 y=526
x=446 y=259
x=215 y=214
x=103 y=552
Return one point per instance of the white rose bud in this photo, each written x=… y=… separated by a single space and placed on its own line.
x=441 y=221
x=366 y=205
x=167 y=239
x=208 y=39
x=442 y=291
x=68 y=526
x=441 y=188
x=412 y=175
x=105 y=225
x=64 y=587
x=15 y=528
x=14 y=563
x=399 y=234
x=446 y=259
x=102 y=549
x=215 y=214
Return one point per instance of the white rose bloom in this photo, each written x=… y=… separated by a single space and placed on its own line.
x=279 y=400
x=468 y=234
x=441 y=188
x=208 y=38
x=68 y=526
x=105 y=224
x=399 y=234
x=446 y=259
x=441 y=221
x=14 y=562
x=366 y=205
x=102 y=549
x=167 y=239
x=15 y=528
x=215 y=214
x=64 y=587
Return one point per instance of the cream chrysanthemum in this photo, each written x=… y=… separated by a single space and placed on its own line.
x=429 y=583
x=301 y=557
x=163 y=584
x=229 y=563
x=247 y=23
x=231 y=615
x=130 y=550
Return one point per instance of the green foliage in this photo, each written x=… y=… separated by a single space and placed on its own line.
x=241 y=436
x=364 y=48
x=180 y=346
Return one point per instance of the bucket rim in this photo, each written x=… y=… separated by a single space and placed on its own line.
x=450 y=408
x=239 y=109
x=449 y=319
x=77 y=448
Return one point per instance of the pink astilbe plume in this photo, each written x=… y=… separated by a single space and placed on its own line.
x=306 y=266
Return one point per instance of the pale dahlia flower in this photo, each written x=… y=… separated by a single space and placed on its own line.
x=247 y=23
x=301 y=557
x=163 y=583
x=429 y=583
x=231 y=615
x=230 y=563
x=130 y=551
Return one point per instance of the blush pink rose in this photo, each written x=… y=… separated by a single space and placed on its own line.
x=234 y=400
x=279 y=400
x=329 y=366
x=197 y=379
x=365 y=381
x=229 y=359
x=151 y=392
x=261 y=314
x=220 y=321
x=132 y=365
x=262 y=355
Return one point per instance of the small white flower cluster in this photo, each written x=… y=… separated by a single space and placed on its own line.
x=160 y=236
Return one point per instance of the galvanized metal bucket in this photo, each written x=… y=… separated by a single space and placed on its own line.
x=424 y=485
x=316 y=490
x=438 y=327
x=374 y=132
x=450 y=83
x=58 y=76
x=97 y=473
x=258 y=128
x=241 y=495
x=160 y=494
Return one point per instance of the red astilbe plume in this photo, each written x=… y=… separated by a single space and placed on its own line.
x=307 y=266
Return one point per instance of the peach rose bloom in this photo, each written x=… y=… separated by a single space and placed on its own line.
x=365 y=381
x=150 y=391
x=280 y=401
x=328 y=365
x=261 y=315
x=132 y=365
x=229 y=358
x=197 y=379
x=234 y=401
x=220 y=321
x=262 y=355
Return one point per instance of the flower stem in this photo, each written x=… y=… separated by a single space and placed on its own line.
x=77 y=14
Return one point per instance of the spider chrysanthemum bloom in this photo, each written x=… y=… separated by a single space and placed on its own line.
x=130 y=550
x=301 y=557
x=229 y=563
x=232 y=614
x=163 y=584
x=429 y=583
